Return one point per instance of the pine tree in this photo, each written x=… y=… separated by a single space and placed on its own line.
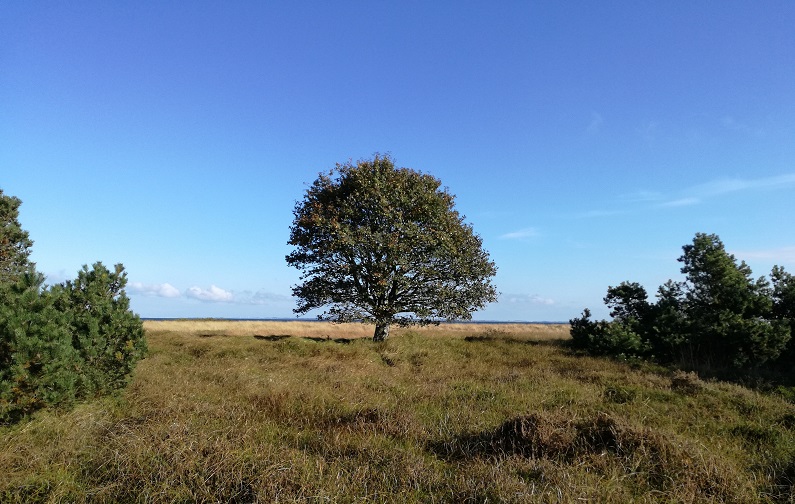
x=15 y=243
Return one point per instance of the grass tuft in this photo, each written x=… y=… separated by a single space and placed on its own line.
x=687 y=383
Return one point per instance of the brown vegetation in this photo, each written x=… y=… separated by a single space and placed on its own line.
x=315 y=329
x=310 y=412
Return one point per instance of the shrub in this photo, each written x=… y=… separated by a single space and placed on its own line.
x=108 y=337
x=37 y=359
x=582 y=330
x=74 y=340
x=607 y=338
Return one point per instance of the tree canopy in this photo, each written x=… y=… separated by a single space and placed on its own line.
x=718 y=317
x=15 y=243
x=381 y=244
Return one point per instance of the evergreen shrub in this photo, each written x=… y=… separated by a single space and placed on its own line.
x=74 y=340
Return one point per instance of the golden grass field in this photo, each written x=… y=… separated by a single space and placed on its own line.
x=331 y=330
x=312 y=412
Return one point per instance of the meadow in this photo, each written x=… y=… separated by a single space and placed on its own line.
x=313 y=412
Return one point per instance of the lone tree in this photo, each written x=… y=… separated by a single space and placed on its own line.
x=380 y=244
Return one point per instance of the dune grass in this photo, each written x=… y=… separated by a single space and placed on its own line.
x=311 y=412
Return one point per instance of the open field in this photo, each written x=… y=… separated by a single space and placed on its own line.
x=309 y=412
x=315 y=329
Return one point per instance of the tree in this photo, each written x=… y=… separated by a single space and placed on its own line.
x=628 y=303
x=14 y=241
x=718 y=317
x=381 y=244
x=37 y=360
x=783 y=295
x=729 y=312
x=669 y=327
x=73 y=340
x=107 y=335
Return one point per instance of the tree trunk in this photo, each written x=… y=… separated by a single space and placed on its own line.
x=381 y=331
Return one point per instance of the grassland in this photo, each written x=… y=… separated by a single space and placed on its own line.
x=310 y=412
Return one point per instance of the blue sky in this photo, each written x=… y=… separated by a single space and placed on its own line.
x=586 y=141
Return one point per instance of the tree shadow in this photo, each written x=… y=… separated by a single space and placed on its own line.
x=488 y=338
x=272 y=337
x=210 y=334
x=317 y=339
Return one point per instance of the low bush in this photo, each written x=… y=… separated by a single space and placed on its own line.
x=37 y=362
x=108 y=337
x=70 y=341
x=607 y=338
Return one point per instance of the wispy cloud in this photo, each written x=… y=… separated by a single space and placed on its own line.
x=520 y=234
x=260 y=297
x=693 y=195
x=698 y=193
x=681 y=202
x=730 y=185
x=533 y=299
x=781 y=255
x=643 y=196
x=595 y=125
x=165 y=290
x=733 y=124
x=593 y=214
x=648 y=131
x=213 y=294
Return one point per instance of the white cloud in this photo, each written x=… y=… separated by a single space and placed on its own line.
x=689 y=196
x=730 y=185
x=643 y=196
x=213 y=294
x=534 y=299
x=59 y=277
x=520 y=234
x=165 y=290
x=698 y=193
x=260 y=297
x=680 y=202
x=777 y=255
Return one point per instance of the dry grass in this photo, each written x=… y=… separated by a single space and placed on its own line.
x=328 y=329
x=312 y=412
